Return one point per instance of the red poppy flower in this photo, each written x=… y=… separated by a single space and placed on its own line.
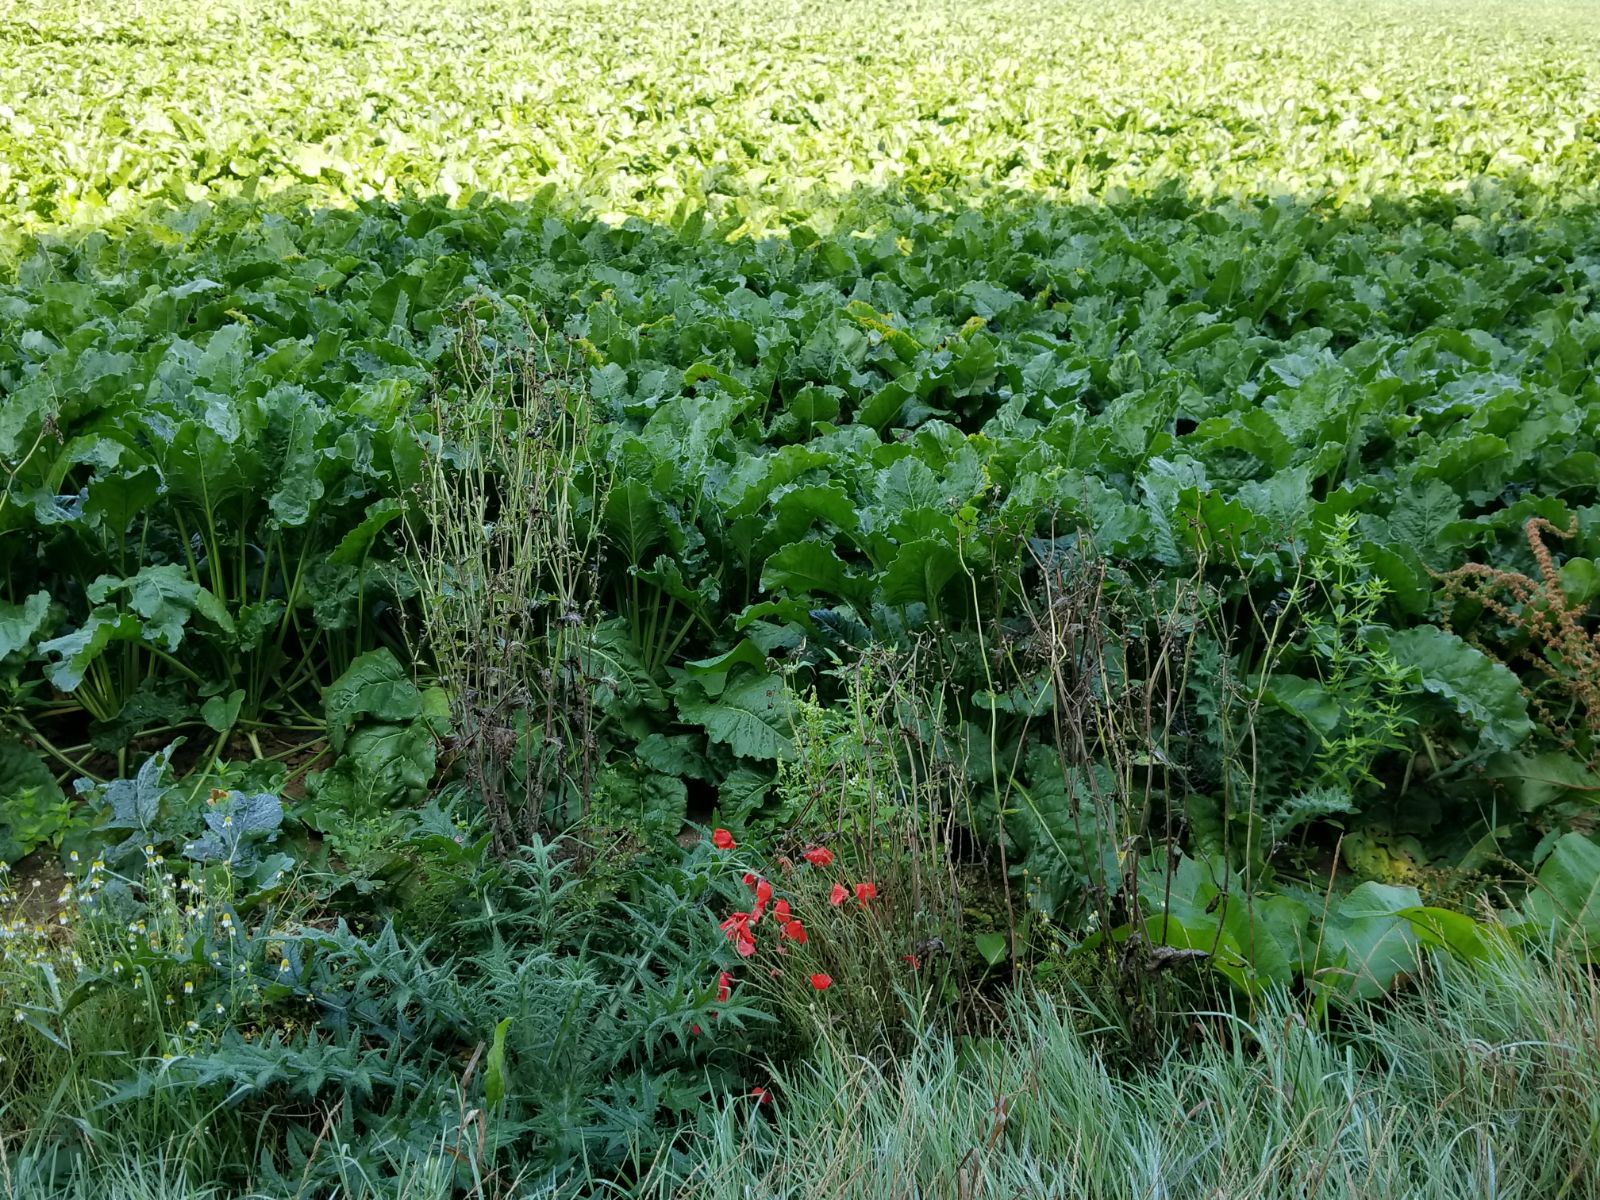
x=762 y=1095
x=821 y=982
x=724 y=985
x=780 y=912
x=763 y=895
x=723 y=840
x=694 y=1030
x=749 y=879
x=818 y=856
x=866 y=891
x=737 y=927
x=839 y=895
x=916 y=963
x=794 y=931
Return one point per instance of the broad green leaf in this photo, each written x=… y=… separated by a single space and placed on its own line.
x=750 y=716
x=605 y=654
x=1450 y=930
x=1540 y=779
x=746 y=652
x=1367 y=942
x=1308 y=700
x=358 y=543
x=33 y=809
x=71 y=655
x=1565 y=899
x=1580 y=580
x=919 y=573
x=20 y=624
x=1469 y=680
x=811 y=568
x=375 y=687
x=992 y=946
x=221 y=713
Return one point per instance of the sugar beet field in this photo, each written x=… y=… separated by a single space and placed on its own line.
x=788 y=599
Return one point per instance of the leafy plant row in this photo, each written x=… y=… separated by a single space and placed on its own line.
x=769 y=109
x=808 y=444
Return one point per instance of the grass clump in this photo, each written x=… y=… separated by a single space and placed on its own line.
x=1480 y=1082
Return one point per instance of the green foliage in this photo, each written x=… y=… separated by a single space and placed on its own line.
x=674 y=393
x=383 y=730
x=813 y=434
x=1049 y=1115
x=33 y=809
x=203 y=522
x=1564 y=904
x=598 y=1012
x=1358 y=707
x=1011 y=95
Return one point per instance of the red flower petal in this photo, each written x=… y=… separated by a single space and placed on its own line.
x=916 y=963
x=737 y=927
x=839 y=895
x=694 y=1030
x=762 y=1095
x=749 y=879
x=780 y=912
x=821 y=982
x=795 y=931
x=724 y=985
x=818 y=856
x=866 y=891
x=723 y=840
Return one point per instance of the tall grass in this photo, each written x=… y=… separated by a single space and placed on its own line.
x=1482 y=1080
x=1485 y=1082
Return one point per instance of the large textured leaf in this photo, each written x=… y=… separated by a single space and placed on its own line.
x=606 y=656
x=73 y=653
x=920 y=572
x=379 y=766
x=236 y=827
x=1536 y=780
x=20 y=624
x=751 y=716
x=811 y=569
x=1368 y=941
x=33 y=808
x=375 y=687
x=633 y=518
x=1564 y=903
x=1062 y=827
x=1472 y=682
